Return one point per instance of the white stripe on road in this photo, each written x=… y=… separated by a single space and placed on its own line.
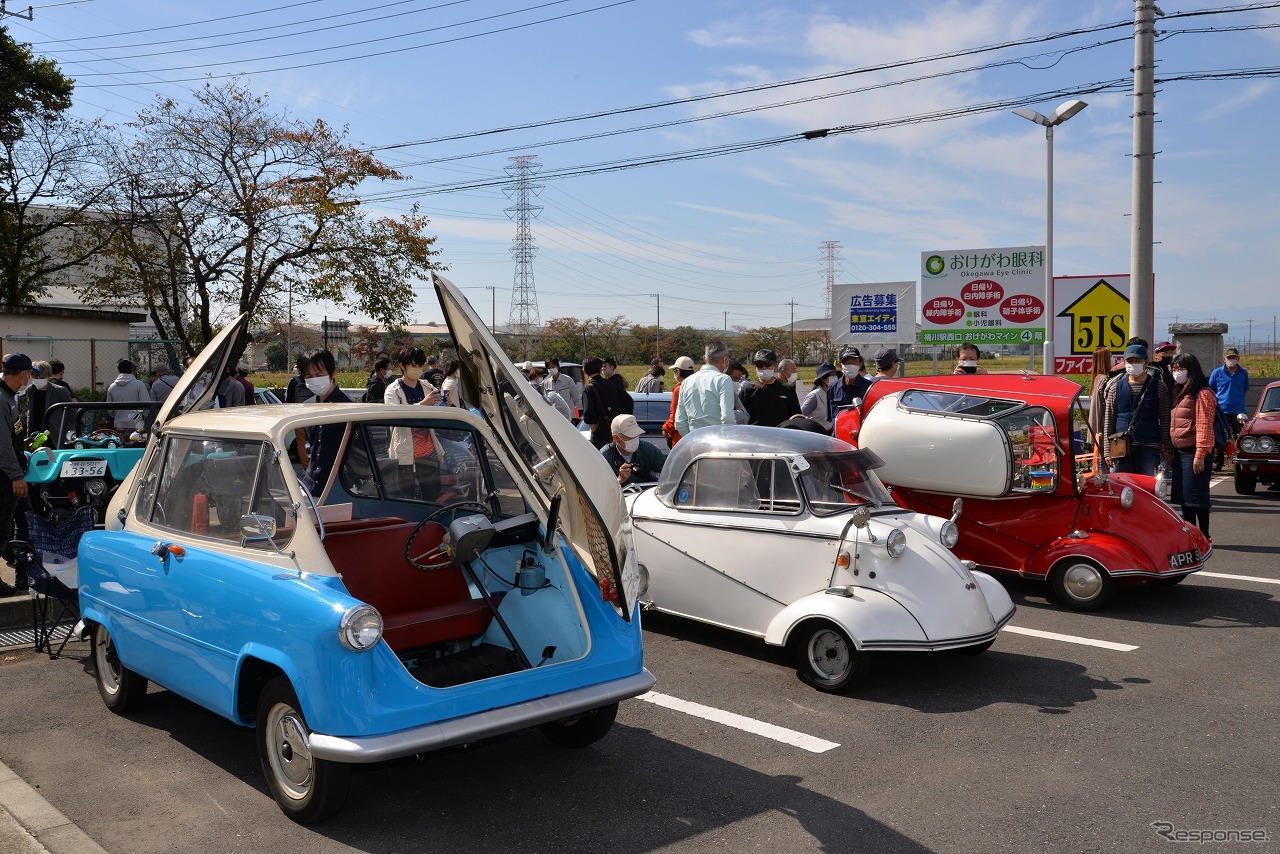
x=1236 y=577
x=1036 y=633
x=751 y=725
x=1217 y=480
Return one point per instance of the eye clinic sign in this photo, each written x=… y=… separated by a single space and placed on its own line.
x=987 y=296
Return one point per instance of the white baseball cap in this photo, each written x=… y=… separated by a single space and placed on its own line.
x=684 y=363
x=626 y=425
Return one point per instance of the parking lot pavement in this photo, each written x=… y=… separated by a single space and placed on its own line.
x=1040 y=744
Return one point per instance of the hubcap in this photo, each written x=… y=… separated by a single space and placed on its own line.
x=109 y=669
x=829 y=655
x=1082 y=581
x=290 y=754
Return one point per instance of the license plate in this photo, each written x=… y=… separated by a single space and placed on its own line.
x=1187 y=558
x=84 y=468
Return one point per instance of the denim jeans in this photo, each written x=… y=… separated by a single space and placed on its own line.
x=1140 y=460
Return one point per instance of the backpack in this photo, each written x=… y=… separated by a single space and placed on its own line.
x=1222 y=432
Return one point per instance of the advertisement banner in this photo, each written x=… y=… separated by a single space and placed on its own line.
x=987 y=296
x=1088 y=312
x=878 y=313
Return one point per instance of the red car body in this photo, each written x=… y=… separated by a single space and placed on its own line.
x=944 y=437
x=1257 y=448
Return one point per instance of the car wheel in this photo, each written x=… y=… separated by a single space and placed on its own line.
x=581 y=730
x=827 y=659
x=1082 y=586
x=977 y=648
x=122 y=690
x=307 y=789
x=1245 y=483
x=1167 y=581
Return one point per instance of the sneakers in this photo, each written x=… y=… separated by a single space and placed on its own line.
x=12 y=590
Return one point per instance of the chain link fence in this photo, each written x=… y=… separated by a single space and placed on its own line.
x=91 y=362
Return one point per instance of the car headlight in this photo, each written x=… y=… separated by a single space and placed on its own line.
x=896 y=543
x=950 y=534
x=360 y=628
x=1248 y=444
x=1266 y=444
x=1126 y=497
x=97 y=487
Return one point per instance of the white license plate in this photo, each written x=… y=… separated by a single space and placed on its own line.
x=84 y=468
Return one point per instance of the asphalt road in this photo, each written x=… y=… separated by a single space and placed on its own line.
x=1038 y=745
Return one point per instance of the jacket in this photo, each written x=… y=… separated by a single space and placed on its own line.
x=127 y=388
x=12 y=458
x=1191 y=422
x=401 y=446
x=161 y=388
x=565 y=386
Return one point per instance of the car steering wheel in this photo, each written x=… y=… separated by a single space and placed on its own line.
x=432 y=553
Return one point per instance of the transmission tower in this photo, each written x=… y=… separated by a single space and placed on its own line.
x=830 y=259
x=524 y=300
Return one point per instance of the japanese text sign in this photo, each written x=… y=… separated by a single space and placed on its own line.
x=987 y=296
x=877 y=313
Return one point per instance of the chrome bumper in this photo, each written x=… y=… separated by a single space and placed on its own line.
x=378 y=748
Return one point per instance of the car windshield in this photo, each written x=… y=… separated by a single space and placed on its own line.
x=1270 y=401
x=839 y=480
x=977 y=405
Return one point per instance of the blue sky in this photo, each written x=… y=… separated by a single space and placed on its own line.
x=740 y=233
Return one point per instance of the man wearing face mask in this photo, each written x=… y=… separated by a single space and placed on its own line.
x=632 y=461
x=853 y=382
x=409 y=389
x=13 y=485
x=1137 y=406
x=563 y=385
x=814 y=405
x=787 y=371
x=769 y=401
x=41 y=396
x=1229 y=382
x=967 y=360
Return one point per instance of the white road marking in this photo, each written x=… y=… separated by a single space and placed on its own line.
x=1214 y=481
x=1236 y=577
x=751 y=725
x=1036 y=633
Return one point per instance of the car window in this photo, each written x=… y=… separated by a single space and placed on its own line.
x=1034 y=436
x=738 y=484
x=835 y=482
x=1271 y=401
x=271 y=499
x=203 y=488
x=421 y=463
x=978 y=406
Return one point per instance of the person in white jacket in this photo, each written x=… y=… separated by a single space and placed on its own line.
x=814 y=404
x=408 y=390
x=127 y=388
x=564 y=385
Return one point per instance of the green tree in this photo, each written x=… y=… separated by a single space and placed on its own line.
x=232 y=202
x=30 y=86
x=277 y=355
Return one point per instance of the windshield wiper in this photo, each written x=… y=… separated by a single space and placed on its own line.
x=852 y=494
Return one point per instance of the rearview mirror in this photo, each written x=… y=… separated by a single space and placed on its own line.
x=255 y=527
x=861 y=515
x=956 y=507
x=1242 y=418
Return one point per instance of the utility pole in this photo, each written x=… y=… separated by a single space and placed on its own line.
x=792 y=354
x=657 y=332
x=1143 y=304
x=30 y=16
x=726 y=321
x=831 y=259
x=493 y=309
x=1248 y=347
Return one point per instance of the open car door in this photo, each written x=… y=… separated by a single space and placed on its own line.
x=554 y=458
x=199 y=382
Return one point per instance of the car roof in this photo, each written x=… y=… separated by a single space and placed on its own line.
x=1053 y=392
x=268 y=422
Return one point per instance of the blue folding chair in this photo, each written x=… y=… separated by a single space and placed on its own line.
x=54 y=605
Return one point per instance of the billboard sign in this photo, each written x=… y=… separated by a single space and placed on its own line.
x=1088 y=312
x=876 y=313
x=987 y=296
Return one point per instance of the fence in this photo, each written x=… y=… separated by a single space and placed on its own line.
x=91 y=362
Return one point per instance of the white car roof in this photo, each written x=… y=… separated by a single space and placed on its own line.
x=267 y=422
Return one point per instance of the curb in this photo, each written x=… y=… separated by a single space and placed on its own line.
x=52 y=831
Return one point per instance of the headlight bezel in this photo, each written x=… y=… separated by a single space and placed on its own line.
x=1266 y=444
x=1127 y=497
x=895 y=544
x=1249 y=444
x=354 y=636
x=949 y=531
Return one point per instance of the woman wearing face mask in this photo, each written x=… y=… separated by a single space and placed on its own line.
x=323 y=440
x=41 y=396
x=632 y=461
x=814 y=404
x=1191 y=431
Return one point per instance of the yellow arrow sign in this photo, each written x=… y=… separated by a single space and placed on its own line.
x=1099 y=318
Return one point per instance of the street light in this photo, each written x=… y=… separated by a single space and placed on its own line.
x=1065 y=111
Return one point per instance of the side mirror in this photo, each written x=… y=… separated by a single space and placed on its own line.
x=1242 y=418
x=254 y=527
x=861 y=516
x=956 y=507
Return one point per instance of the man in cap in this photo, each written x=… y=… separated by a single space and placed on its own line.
x=1161 y=358
x=683 y=368
x=769 y=401
x=853 y=384
x=14 y=380
x=250 y=393
x=887 y=364
x=1137 y=406
x=632 y=461
x=1229 y=382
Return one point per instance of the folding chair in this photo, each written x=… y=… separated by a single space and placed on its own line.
x=54 y=597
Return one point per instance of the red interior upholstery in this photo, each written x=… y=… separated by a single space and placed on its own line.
x=418 y=607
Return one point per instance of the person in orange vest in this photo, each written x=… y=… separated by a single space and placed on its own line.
x=683 y=367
